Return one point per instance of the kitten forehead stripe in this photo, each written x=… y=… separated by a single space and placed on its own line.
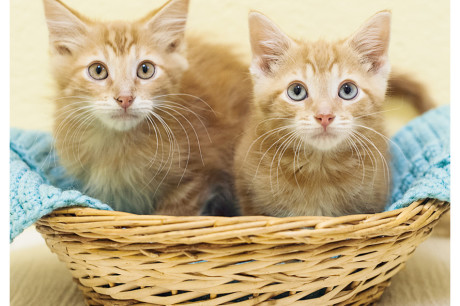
x=120 y=39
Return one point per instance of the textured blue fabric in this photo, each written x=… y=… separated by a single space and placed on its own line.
x=38 y=185
x=420 y=159
x=420 y=168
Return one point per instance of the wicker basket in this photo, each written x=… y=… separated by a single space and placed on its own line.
x=124 y=259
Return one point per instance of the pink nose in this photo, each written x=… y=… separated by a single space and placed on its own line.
x=324 y=120
x=125 y=101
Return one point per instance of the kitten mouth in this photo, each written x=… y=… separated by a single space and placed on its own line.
x=325 y=134
x=124 y=116
x=122 y=121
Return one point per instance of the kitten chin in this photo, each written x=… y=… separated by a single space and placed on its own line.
x=144 y=120
x=121 y=122
x=315 y=143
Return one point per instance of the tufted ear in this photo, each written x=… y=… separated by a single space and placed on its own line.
x=67 y=29
x=268 y=43
x=371 y=41
x=167 y=24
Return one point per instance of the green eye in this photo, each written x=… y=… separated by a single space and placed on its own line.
x=146 y=70
x=297 y=92
x=98 y=71
x=348 y=91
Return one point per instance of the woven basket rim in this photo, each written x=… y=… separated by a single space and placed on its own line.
x=125 y=227
x=80 y=211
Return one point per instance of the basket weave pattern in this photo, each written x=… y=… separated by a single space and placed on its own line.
x=123 y=259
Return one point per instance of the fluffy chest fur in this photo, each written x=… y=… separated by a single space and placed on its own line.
x=295 y=182
x=118 y=168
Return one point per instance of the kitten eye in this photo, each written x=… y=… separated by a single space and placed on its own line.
x=297 y=92
x=145 y=70
x=348 y=91
x=98 y=71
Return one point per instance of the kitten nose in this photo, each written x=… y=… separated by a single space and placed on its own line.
x=125 y=101
x=324 y=120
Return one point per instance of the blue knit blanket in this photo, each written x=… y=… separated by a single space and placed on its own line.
x=420 y=166
x=420 y=159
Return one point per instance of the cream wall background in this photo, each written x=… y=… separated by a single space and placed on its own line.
x=420 y=40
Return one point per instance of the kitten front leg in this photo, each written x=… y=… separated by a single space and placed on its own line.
x=211 y=195
x=246 y=197
x=182 y=200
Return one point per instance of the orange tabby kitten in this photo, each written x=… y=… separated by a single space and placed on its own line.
x=314 y=144
x=145 y=120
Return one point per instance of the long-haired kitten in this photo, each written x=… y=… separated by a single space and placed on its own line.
x=315 y=143
x=145 y=118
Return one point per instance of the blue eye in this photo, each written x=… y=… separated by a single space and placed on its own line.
x=348 y=91
x=297 y=92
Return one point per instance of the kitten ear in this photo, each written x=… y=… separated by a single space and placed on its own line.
x=66 y=27
x=268 y=43
x=167 y=24
x=372 y=40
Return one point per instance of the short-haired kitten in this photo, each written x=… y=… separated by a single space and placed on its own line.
x=146 y=119
x=315 y=142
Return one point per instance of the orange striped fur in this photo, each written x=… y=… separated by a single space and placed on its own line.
x=175 y=142
x=287 y=164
